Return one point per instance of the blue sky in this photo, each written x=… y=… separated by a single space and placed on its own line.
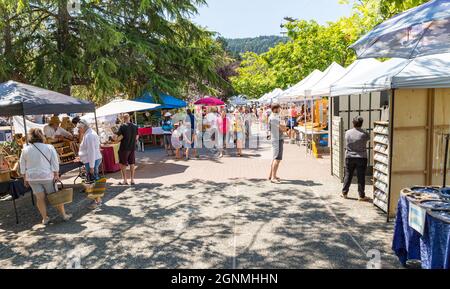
x=249 y=18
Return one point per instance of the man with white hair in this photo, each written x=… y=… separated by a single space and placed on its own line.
x=90 y=155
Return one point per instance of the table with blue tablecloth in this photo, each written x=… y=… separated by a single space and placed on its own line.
x=433 y=248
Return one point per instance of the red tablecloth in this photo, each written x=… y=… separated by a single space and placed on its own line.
x=145 y=131
x=109 y=161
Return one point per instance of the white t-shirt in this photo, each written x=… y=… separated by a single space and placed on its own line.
x=37 y=166
x=50 y=132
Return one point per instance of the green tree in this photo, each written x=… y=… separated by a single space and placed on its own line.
x=117 y=46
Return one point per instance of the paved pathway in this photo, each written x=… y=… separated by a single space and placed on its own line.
x=207 y=213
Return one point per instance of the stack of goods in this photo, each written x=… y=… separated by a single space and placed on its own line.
x=9 y=161
x=65 y=151
x=381 y=165
x=436 y=201
x=107 y=132
x=67 y=125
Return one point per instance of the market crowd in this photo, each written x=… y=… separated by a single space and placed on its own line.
x=217 y=131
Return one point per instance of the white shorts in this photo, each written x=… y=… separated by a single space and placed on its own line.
x=46 y=187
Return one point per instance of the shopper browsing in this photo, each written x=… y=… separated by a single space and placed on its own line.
x=356 y=158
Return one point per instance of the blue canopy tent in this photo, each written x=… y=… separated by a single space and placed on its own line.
x=167 y=101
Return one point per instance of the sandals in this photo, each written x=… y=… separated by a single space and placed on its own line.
x=67 y=217
x=46 y=221
x=123 y=184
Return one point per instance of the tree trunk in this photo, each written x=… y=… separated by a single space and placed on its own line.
x=63 y=39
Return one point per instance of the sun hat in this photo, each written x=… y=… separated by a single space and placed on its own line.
x=168 y=114
x=54 y=120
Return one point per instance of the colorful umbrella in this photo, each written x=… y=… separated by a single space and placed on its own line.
x=210 y=101
x=423 y=30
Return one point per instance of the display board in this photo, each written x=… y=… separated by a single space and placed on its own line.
x=381 y=165
x=338 y=147
x=369 y=106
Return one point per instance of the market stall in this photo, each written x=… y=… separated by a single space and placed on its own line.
x=17 y=99
x=348 y=100
x=165 y=101
x=312 y=94
x=107 y=129
x=407 y=148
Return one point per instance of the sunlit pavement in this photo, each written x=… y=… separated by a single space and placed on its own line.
x=207 y=213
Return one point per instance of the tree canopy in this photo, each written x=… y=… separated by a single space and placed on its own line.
x=111 y=47
x=312 y=46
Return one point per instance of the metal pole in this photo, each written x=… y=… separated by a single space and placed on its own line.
x=447 y=140
x=96 y=122
x=25 y=126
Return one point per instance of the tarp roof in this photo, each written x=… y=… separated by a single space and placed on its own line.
x=119 y=106
x=167 y=101
x=333 y=73
x=431 y=71
x=18 y=99
x=368 y=78
x=296 y=86
x=299 y=90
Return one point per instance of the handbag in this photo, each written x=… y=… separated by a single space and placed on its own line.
x=60 y=196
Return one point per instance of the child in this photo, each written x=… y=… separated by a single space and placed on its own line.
x=176 y=140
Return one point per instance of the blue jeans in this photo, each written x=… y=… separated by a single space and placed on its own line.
x=96 y=175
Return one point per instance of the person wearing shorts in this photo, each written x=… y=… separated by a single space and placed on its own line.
x=39 y=166
x=276 y=131
x=167 y=127
x=128 y=136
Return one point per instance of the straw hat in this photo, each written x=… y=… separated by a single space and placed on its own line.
x=54 y=120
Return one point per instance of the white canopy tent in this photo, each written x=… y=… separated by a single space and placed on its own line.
x=333 y=73
x=238 y=100
x=269 y=97
x=119 y=106
x=369 y=78
x=298 y=91
x=431 y=71
x=296 y=86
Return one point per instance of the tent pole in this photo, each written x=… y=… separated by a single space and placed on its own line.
x=25 y=126
x=96 y=122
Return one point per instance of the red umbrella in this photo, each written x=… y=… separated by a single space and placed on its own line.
x=210 y=101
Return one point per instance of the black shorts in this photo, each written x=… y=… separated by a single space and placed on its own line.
x=127 y=158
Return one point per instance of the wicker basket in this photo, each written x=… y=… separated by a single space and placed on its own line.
x=61 y=197
x=96 y=190
x=5 y=176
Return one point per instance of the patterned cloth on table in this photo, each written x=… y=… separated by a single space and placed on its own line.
x=432 y=249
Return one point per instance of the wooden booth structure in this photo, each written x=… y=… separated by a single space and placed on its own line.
x=407 y=146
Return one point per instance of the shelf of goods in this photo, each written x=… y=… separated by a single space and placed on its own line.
x=65 y=151
x=381 y=166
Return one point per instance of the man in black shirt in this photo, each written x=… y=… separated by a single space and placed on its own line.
x=128 y=135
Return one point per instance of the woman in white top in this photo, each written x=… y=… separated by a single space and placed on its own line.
x=90 y=154
x=39 y=165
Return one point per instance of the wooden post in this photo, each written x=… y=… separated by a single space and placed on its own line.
x=391 y=149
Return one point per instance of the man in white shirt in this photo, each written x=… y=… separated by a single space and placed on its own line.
x=54 y=131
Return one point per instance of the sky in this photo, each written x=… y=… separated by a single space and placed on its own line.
x=250 y=18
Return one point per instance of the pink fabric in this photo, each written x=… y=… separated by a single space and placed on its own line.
x=145 y=131
x=210 y=101
x=109 y=161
